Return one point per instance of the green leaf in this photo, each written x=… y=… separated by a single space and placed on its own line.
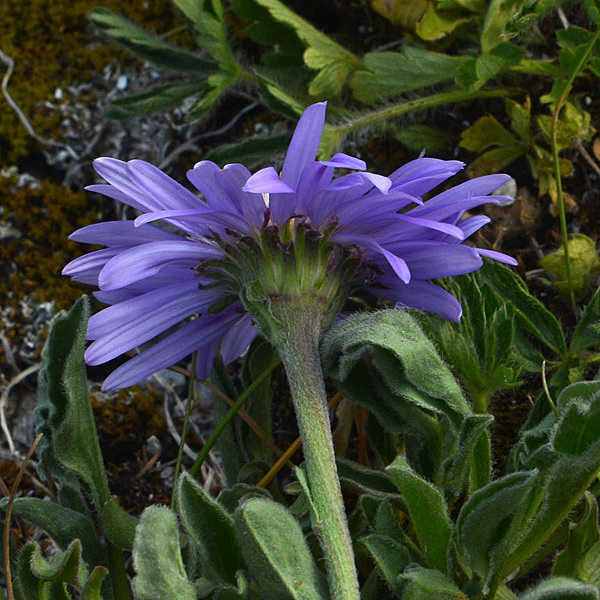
x=419 y=137
x=390 y=556
x=530 y=311
x=584 y=263
x=583 y=535
x=494 y=161
x=587 y=332
x=499 y=15
x=485 y=518
x=366 y=481
x=62 y=524
x=157 y=558
x=276 y=553
x=64 y=567
x=231 y=498
x=489 y=64
x=485 y=133
x=211 y=528
x=562 y=588
x=92 y=586
x=118 y=526
x=322 y=54
x=259 y=357
x=405 y=357
x=426 y=584
x=579 y=428
x=218 y=84
x=567 y=476
x=41 y=579
x=252 y=150
x=427 y=510
x=158 y=98
x=458 y=466
x=401 y=13
x=393 y=73
x=436 y=25
x=146 y=46
x=64 y=412
x=208 y=20
x=384 y=521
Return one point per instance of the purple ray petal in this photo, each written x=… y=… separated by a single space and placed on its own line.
x=112 y=192
x=206 y=359
x=422 y=167
x=168 y=276
x=121 y=233
x=198 y=334
x=204 y=177
x=480 y=186
x=110 y=320
x=441 y=260
x=238 y=338
x=473 y=224
x=316 y=176
x=304 y=144
x=422 y=295
x=91 y=261
x=136 y=321
x=232 y=180
x=115 y=172
x=266 y=181
x=499 y=256
x=398 y=264
x=446 y=228
x=344 y=161
x=382 y=183
x=165 y=214
x=146 y=260
x=167 y=192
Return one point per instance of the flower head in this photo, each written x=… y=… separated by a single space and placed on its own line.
x=256 y=241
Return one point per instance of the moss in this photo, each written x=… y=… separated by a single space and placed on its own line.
x=129 y=417
x=31 y=265
x=53 y=44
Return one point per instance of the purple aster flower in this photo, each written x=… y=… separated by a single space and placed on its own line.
x=253 y=241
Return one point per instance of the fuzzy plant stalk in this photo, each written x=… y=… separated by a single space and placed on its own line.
x=274 y=254
x=298 y=346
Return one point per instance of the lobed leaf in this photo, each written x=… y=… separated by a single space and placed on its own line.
x=146 y=46
x=392 y=73
x=158 y=98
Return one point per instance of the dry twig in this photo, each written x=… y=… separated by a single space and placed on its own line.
x=4 y=399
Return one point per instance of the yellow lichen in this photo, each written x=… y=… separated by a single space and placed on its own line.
x=31 y=265
x=53 y=44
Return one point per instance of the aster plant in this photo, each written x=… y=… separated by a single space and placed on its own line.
x=274 y=255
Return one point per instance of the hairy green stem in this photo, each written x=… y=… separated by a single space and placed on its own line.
x=555 y=160
x=186 y=421
x=298 y=346
x=210 y=442
x=398 y=110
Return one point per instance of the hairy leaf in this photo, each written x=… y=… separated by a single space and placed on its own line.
x=157 y=558
x=276 y=553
